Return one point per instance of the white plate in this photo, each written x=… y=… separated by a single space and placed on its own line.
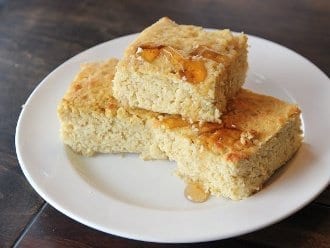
x=142 y=200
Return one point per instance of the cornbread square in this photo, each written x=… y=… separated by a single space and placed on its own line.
x=232 y=159
x=235 y=158
x=182 y=69
x=92 y=121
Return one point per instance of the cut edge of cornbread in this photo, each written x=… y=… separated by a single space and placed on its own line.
x=232 y=159
x=92 y=122
x=234 y=178
x=159 y=85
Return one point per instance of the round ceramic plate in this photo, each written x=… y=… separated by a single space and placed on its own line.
x=129 y=197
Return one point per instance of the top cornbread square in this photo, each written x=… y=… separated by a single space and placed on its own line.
x=182 y=69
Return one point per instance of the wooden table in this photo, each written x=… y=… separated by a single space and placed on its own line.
x=38 y=35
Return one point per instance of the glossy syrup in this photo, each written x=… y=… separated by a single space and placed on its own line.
x=192 y=70
x=195 y=193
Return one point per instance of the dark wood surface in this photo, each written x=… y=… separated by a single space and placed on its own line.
x=38 y=35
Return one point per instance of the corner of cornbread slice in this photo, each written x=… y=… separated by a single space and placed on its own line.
x=182 y=69
x=233 y=159
x=92 y=121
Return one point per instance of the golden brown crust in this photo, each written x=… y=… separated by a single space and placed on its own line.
x=251 y=119
x=91 y=90
x=186 y=38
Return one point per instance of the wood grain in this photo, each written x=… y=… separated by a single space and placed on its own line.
x=309 y=227
x=38 y=35
x=53 y=228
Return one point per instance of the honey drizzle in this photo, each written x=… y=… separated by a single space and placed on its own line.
x=190 y=69
x=208 y=53
x=150 y=53
x=194 y=192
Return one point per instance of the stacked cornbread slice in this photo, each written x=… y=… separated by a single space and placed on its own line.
x=92 y=120
x=230 y=156
x=181 y=69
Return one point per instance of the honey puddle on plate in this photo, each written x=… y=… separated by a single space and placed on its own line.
x=195 y=193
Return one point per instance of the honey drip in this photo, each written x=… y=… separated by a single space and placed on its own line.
x=174 y=121
x=192 y=70
x=150 y=54
x=208 y=53
x=195 y=193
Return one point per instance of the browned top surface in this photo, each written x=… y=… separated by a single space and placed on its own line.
x=186 y=38
x=187 y=51
x=91 y=88
x=250 y=121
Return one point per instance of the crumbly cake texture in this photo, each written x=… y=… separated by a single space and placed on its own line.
x=92 y=121
x=182 y=69
x=233 y=159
